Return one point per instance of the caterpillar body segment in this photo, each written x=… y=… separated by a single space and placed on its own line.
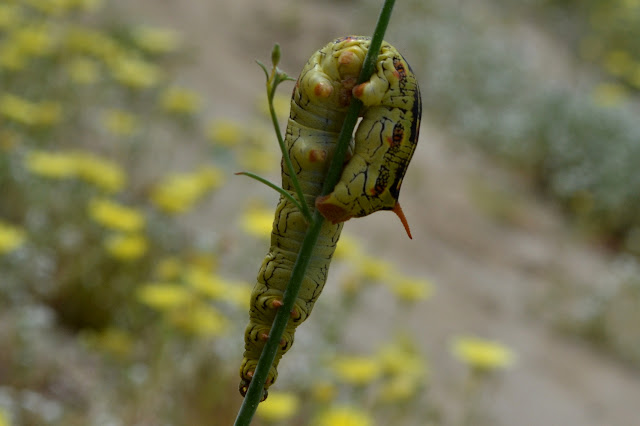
x=385 y=141
x=384 y=144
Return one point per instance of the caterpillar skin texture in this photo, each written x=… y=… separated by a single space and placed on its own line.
x=370 y=181
x=385 y=141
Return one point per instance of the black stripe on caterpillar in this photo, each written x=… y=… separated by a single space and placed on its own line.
x=384 y=144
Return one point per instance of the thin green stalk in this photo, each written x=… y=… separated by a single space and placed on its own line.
x=254 y=393
x=281 y=191
x=276 y=77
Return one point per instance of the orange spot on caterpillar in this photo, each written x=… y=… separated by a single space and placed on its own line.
x=250 y=374
x=358 y=91
x=323 y=90
x=316 y=155
x=377 y=190
x=397 y=64
x=335 y=214
x=295 y=314
x=276 y=303
x=346 y=57
x=264 y=337
x=283 y=343
x=398 y=211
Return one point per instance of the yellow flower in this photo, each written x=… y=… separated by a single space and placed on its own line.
x=200 y=320
x=618 y=62
x=178 y=193
x=257 y=221
x=634 y=76
x=356 y=370
x=11 y=58
x=156 y=40
x=83 y=71
x=401 y=358
x=119 y=122
x=102 y=173
x=51 y=165
x=34 y=40
x=126 y=247
x=348 y=248
x=203 y=260
x=279 y=407
x=164 y=296
x=115 y=342
x=47 y=113
x=400 y=388
x=4 y=418
x=205 y=282
x=84 y=5
x=92 y=42
x=480 y=354
x=323 y=391
x=352 y=284
x=10 y=16
x=29 y=113
x=343 y=416
x=135 y=72
x=116 y=216
x=238 y=294
x=225 y=132
x=17 y=109
x=169 y=268
x=259 y=160
x=609 y=94
x=404 y=368
x=11 y=237
x=180 y=101
x=374 y=268
x=410 y=289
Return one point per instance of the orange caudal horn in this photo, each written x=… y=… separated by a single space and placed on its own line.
x=398 y=211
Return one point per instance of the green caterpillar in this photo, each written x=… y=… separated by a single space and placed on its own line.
x=384 y=144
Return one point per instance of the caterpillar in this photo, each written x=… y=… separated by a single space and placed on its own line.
x=377 y=161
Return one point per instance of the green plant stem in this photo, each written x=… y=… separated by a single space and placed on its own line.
x=254 y=393
x=272 y=83
x=281 y=191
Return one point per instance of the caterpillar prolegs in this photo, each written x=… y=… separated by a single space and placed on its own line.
x=384 y=144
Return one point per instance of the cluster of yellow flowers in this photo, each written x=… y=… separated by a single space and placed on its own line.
x=281 y=406
x=104 y=174
x=177 y=193
x=482 y=355
x=25 y=112
x=371 y=268
x=128 y=242
x=185 y=293
x=11 y=237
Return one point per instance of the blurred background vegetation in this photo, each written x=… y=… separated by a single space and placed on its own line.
x=127 y=251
